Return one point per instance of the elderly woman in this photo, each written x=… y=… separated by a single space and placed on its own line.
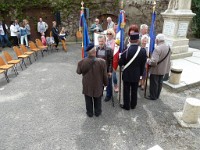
x=144 y=43
x=110 y=42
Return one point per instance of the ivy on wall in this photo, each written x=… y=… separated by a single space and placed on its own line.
x=56 y=5
x=196 y=19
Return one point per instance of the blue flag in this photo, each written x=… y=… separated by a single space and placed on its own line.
x=152 y=33
x=86 y=38
x=120 y=29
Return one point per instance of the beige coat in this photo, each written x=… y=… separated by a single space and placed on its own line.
x=94 y=72
x=158 y=54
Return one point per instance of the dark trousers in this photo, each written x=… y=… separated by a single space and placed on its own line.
x=93 y=102
x=15 y=41
x=5 y=41
x=56 y=40
x=109 y=88
x=155 y=85
x=130 y=90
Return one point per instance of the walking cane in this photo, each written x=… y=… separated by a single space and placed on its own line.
x=147 y=74
x=120 y=82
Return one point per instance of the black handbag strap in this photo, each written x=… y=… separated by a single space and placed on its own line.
x=165 y=56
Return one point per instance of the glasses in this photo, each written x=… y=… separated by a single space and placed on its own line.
x=109 y=33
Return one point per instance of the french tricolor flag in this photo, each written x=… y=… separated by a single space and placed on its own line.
x=119 y=43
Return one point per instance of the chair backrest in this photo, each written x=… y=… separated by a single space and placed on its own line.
x=79 y=34
x=23 y=48
x=50 y=34
x=17 y=51
x=2 y=62
x=7 y=56
x=38 y=42
x=32 y=45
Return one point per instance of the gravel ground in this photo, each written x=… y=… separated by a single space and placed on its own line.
x=43 y=109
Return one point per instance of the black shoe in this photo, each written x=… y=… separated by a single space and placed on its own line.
x=107 y=99
x=133 y=107
x=124 y=107
x=97 y=115
x=149 y=98
x=89 y=115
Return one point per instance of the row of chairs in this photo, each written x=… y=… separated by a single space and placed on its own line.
x=22 y=53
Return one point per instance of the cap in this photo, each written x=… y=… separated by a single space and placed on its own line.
x=90 y=46
x=134 y=36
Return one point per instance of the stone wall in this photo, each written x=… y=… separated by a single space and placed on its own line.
x=137 y=11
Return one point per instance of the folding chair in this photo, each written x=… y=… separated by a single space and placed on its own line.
x=10 y=60
x=34 y=48
x=26 y=52
x=50 y=43
x=20 y=55
x=40 y=45
x=6 y=67
x=3 y=71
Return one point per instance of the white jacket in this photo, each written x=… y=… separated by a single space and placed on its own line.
x=13 y=31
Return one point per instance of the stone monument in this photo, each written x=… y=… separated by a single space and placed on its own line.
x=176 y=21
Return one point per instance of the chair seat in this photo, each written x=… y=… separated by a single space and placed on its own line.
x=43 y=47
x=2 y=71
x=28 y=53
x=23 y=56
x=6 y=67
x=35 y=49
x=14 y=61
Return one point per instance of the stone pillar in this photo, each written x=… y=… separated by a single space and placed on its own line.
x=190 y=116
x=175 y=75
x=176 y=21
x=191 y=111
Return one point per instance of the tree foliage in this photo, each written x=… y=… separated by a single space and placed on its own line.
x=196 y=19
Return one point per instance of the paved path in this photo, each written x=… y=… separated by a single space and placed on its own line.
x=43 y=109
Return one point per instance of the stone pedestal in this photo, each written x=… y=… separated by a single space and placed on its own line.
x=175 y=28
x=190 y=115
x=175 y=75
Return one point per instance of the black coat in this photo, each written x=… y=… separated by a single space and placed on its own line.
x=133 y=72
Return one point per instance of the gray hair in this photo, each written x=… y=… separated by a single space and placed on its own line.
x=160 y=37
x=101 y=37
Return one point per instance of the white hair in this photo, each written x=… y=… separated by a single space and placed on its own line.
x=142 y=26
x=109 y=18
x=160 y=37
x=144 y=36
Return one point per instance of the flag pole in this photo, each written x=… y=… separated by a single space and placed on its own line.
x=81 y=29
x=120 y=68
x=147 y=66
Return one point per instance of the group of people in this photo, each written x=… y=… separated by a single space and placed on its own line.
x=20 y=33
x=97 y=69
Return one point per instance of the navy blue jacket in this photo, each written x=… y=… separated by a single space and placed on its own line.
x=133 y=72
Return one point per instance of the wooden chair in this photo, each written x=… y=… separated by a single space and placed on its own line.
x=20 y=55
x=6 y=67
x=26 y=52
x=10 y=60
x=39 y=44
x=3 y=71
x=64 y=45
x=34 y=48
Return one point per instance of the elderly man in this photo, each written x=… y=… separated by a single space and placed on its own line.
x=133 y=60
x=111 y=24
x=160 y=65
x=94 y=73
x=95 y=28
x=106 y=53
